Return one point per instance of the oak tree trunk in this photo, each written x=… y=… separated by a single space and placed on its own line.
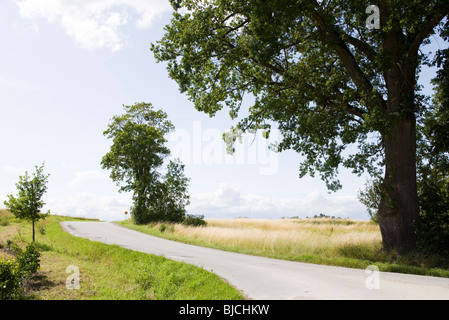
x=399 y=210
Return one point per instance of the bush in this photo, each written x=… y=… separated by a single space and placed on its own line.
x=433 y=229
x=166 y=228
x=139 y=212
x=10 y=280
x=29 y=260
x=157 y=210
x=14 y=272
x=194 y=220
x=162 y=227
x=4 y=221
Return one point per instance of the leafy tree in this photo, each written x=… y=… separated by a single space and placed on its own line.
x=176 y=196
x=433 y=143
x=433 y=165
x=28 y=202
x=172 y=196
x=341 y=94
x=136 y=158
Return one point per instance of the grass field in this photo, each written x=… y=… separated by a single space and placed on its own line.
x=106 y=272
x=340 y=242
x=110 y=272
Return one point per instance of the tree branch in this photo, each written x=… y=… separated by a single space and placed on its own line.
x=347 y=58
x=247 y=55
x=362 y=46
x=432 y=21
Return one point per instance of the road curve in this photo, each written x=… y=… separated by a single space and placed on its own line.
x=262 y=278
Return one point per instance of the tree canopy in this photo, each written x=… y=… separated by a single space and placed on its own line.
x=341 y=94
x=28 y=202
x=136 y=158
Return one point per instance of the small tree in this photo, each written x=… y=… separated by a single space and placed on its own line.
x=28 y=202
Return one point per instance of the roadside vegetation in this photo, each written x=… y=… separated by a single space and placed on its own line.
x=105 y=272
x=338 y=242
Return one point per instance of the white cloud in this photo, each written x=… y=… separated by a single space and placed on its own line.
x=13 y=171
x=227 y=201
x=95 y=24
x=9 y=177
x=230 y=201
x=90 y=205
x=83 y=178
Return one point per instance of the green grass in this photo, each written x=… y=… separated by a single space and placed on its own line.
x=109 y=272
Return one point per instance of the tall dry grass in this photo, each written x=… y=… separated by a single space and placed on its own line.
x=286 y=236
x=339 y=242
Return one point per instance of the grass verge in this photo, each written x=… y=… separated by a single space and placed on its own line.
x=106 y=272
x=338 y=242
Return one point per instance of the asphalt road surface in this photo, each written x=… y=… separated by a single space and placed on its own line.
x=271 y=279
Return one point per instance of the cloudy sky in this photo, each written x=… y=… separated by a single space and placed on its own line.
x=68 y=66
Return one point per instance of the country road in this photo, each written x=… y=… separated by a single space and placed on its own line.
x=271 y=279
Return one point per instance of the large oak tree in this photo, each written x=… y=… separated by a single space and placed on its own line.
x=323 y=77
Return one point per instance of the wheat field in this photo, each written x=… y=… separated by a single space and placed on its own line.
x=286 y=236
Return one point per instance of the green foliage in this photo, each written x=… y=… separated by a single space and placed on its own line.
x=13 y=272
x=29 y=260
x=166 y=228
x=433 y=230
x=433 y=164
x=341 y=94
x=162 y=227
x=140 y=212
x=135 y=160
x=370 y=197
x=314 y=69
x=138 y=148
x=10 y=280
x=28 y=202
x=4 y=221
x=176 y=197
x=194 y=220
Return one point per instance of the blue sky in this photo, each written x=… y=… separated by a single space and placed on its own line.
x=67 y=67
